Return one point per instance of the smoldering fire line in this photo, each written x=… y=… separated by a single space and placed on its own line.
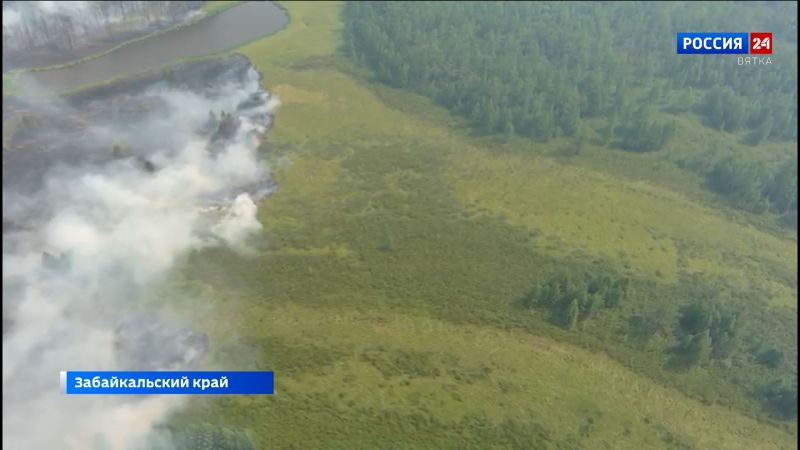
x=151 y=174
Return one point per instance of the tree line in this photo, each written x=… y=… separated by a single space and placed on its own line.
x=540 y=69
x=752 y=187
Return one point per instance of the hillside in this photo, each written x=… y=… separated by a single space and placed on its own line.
x=403 y=290
x=604 y=73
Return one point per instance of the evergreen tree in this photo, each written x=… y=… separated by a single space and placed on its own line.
x=695 y=349
x=550 y=79
x=571 y=313
x=589 y=306
x=695 y=317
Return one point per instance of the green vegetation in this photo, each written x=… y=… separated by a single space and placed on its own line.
x=199 y=437
x=771 y=358
x=385 y=290
x=781 y=399
x=571 y=299
x=537 y=69
x=707 y=331
x=9 y=82
x=750 y=187
x=548 y=69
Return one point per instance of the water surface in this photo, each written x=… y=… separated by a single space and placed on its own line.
x=229 y=29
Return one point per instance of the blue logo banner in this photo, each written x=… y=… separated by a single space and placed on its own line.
x=713 y=43
x=144 y=383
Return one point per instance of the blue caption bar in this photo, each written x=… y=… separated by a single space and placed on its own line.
x=713 y=43
x=219 y=383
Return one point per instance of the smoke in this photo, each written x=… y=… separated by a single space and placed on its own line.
x=38 y=13
x=72 y=24
x=240 y=221
x=98 y=234
x=11 y=18
x=65 y=7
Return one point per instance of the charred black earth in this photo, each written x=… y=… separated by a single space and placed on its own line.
x=132 y=126
x=128 y=121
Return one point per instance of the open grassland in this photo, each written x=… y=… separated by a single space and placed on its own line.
x=381 y=289
x=375 y=378
x=641 y=226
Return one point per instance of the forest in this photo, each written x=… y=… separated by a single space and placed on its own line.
x=545 y=70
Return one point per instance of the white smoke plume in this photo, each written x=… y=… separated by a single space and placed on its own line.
x=240 y=220
x=109 y=231
x=11 y=18
x=65 y=7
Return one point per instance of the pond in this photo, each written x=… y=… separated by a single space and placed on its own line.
x=229 y=29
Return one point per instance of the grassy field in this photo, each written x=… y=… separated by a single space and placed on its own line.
x=381 y=287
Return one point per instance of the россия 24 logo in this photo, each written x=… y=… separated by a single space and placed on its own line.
x=725 y=43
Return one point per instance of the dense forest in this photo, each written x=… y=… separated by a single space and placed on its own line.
x=544 y=70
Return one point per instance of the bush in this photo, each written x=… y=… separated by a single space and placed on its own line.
x=780 y=400
x=695 y=317
x=693 y=350
x=770 y=357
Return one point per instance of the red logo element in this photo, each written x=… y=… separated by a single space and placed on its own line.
x=760 y=43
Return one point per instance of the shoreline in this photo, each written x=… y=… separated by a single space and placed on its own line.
x=115 y=47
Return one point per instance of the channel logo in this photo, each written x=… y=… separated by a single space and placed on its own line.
x=760 y=43
x=724 y=43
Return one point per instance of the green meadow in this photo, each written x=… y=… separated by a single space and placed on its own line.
x=381 y=290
